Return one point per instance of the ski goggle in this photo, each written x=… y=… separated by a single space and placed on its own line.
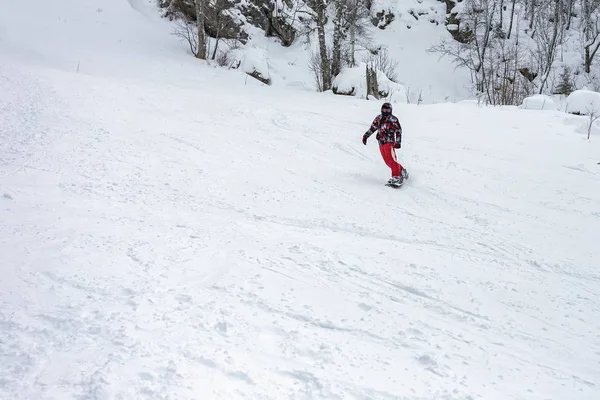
x=386 y=109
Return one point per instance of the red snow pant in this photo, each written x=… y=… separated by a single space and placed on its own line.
x=389 y=157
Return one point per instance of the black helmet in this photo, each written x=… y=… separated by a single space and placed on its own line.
x=386 y=109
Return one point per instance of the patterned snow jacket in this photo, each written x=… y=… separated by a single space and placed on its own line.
x=390 y=130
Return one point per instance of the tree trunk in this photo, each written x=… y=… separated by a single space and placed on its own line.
x=531 y=13
x=483 y=47
x=512 y=18
x=591 y=35
x=336 y=59
x=353 y=48
x=590 y=54
x=218 y=35
x=214 y=54
x=372 y=84
x=569 y=13
x=551 y=46
x=201 y=54
x=321 y=9
x=587 y=60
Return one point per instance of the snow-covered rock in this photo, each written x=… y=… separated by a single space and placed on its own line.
x=382 y=13
x=583 y=102
x=539 y=102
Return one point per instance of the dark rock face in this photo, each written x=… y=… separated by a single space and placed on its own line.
x=264 y=15
x=528 y=74
x=461 y=35
x=383 y=18
x=226 y=19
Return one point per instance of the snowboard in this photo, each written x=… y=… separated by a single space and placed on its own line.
x=394 y=186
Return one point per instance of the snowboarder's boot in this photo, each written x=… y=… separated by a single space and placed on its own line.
x=404 y=174
x=396 y=181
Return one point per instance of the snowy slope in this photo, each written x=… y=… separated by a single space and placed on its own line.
x=171 y=231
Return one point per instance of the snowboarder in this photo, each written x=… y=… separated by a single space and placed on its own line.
x=389 y=139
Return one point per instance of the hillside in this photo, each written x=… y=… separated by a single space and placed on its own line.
x=499 y=52
x=170 y=229
x=402 y=29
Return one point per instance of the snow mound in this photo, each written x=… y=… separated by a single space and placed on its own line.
x=393 y=91
x=539 y=102
x=253 y=61
x=583 y=102
x=352 y=81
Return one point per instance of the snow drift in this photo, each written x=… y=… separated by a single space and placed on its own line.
x=583 y=102
x=539 y=102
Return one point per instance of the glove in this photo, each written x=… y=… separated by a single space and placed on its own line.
x=364 y=140
x=398 y=141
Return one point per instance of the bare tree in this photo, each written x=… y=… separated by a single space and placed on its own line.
x=320 y=9
x=295 y=10
x=316 y=67
x=493 y=59
x=593 y=115
x=357 y=29
x=477 y=20
x=590 y=31
x=379 y=59
x=512 y=18
x=547 y=38
x=222 y=24
x=186 y=31
x=351 y=18
x=568 y=11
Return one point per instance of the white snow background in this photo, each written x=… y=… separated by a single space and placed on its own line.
x=171 y=230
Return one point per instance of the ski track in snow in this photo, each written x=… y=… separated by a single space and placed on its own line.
x=159 y=273
x=21 y=105
x=174 y=238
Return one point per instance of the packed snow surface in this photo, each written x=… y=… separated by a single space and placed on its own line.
x=171 y=230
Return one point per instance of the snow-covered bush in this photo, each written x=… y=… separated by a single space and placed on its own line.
x=389 y=89
x=583 y=102
x=380 y=59
x=539 y=102
x=353 y=82
x=252 y=61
